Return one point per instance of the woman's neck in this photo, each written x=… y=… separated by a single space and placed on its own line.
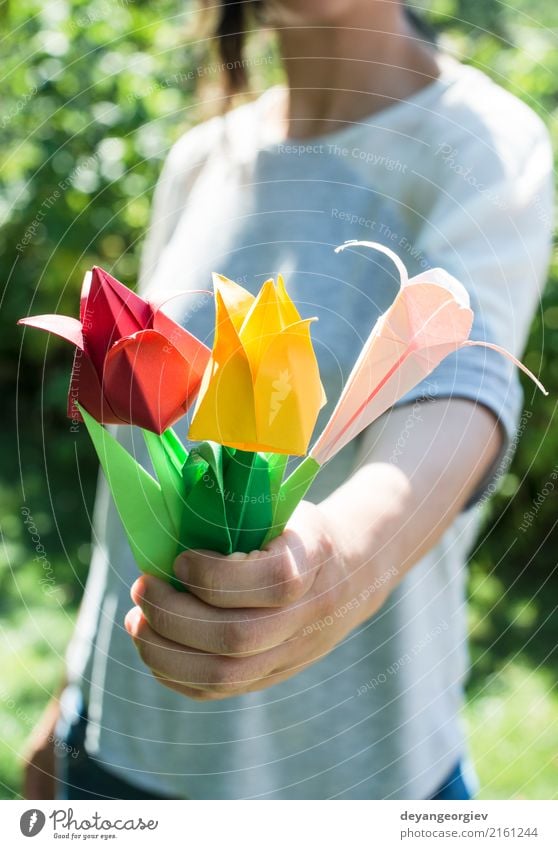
x=351 y=68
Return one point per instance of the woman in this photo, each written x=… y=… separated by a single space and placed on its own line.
x=330 y=665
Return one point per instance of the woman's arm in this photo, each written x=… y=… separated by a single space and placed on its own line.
x=38 y=757
x=250 y=621
x=420 y=466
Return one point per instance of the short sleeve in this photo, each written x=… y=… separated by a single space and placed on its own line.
x=490 y=226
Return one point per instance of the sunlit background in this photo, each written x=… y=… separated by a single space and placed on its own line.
x=93 y=94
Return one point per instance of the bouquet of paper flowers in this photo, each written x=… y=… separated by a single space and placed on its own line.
x=257 y=395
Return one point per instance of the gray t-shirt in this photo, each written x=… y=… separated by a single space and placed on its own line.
x=457 y=176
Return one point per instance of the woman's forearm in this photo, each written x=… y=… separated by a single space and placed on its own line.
x=253 y=620
x=419 y=467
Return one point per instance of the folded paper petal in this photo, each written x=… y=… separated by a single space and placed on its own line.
x=147 y=381
x=236 y=299
x=61 y=325
x=498 y=348
x=288 y=392
x=289 y=312
x=194 y=352
x=225 y=406
x=261 y=390
x=110 y=311
x=262 y=323
x=86 y=388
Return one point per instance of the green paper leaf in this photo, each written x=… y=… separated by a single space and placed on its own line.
x=175 y=448
x=168 y=475
x=247 y=499
x=212 y=453
x=139 y=501
x=291 y=494
x=277 y=464
x=204 y=520
x=192 y=470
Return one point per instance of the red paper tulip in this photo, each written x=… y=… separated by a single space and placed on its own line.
x=133 y=364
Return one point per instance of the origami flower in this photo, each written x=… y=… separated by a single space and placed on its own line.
x=133 y=364
x=259 y=397
x=261 y=390
x=429 y=319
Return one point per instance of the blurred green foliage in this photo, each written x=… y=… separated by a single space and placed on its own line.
x=94 y=92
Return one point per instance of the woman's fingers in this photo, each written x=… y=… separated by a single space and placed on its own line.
x=188 y=621
x=191 y=668
x=189 y=692
x=278 y=576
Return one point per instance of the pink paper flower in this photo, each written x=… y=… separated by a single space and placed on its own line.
x=429 y=319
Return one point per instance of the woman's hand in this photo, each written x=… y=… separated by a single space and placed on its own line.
x=251 y=620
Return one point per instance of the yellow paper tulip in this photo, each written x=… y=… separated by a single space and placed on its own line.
x=261 y=390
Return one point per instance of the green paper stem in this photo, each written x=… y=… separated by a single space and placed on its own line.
x=175 y=448
x=139 y=501
x=248 y=499
x=277 y=464
x=291 y=493
x=168 y=475
x=204 y=519
x=216 y=498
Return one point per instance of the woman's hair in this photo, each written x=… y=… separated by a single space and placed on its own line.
x=237 y=18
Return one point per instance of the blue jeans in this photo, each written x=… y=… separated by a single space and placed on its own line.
x=81 y=777
x=454 y=787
